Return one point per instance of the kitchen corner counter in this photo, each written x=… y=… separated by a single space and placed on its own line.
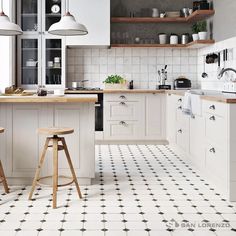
x=220 y=97
x=84 y=98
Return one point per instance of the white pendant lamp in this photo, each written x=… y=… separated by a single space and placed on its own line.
x=68 y=26
x=8 y=28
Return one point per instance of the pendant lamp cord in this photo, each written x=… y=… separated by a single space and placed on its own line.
x=67 y=5
x=1 y=5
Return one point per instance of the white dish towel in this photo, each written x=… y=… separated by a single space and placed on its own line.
x=192 y=104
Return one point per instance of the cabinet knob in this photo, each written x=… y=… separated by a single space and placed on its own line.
x=180 y=107
x=212 y=107
x=212 y=118
x=122 y=103
x=180 y=100
x=212 y=150
x=122 y=97
x=180 y=131
x=123 y=123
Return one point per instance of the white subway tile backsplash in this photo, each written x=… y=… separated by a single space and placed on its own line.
x=138 y=64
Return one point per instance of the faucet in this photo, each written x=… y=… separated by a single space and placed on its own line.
x=220 y=75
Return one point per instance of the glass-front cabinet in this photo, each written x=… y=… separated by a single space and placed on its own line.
x=40 y=56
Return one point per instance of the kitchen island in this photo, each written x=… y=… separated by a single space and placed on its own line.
x=21 y=146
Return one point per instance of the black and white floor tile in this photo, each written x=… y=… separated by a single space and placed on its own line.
x=139 y=190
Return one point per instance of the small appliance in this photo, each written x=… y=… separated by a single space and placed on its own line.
x=182 y=83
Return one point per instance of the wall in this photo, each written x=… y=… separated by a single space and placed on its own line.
x=224 y=20
x=6 y=50
x=138 y=64
x=211 y=82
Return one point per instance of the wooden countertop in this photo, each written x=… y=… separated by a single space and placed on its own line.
x=114 y=91
x=218 y=97
x=83 y=98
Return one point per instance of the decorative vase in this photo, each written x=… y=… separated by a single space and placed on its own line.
x=202 y=35
x=195 y=37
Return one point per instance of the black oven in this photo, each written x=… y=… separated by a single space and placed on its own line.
x=98 y=108
x=99 y=113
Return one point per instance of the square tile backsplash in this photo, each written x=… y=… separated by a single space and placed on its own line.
x=137 y=64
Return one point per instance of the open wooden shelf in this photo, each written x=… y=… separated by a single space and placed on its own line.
x=194 y=44
x=195 y=16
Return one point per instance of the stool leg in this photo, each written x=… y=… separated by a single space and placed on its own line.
x=71 y=167
x=55 y=172
x=4 y=181
x=39 y=168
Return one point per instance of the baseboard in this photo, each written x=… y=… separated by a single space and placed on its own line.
x=132 y=142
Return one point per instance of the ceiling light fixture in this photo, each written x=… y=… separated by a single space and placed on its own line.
x=68 y=26
x=8 y=28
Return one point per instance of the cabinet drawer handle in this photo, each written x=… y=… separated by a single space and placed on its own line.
x=122 y=103
x=122 y=97
x=180 y=107
x=180 y=100
x=212 y=118
x=180 y=131
x=212 y=150
x=212 y=107
x=123 y=123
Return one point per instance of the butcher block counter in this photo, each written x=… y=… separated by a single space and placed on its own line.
x=21 y=146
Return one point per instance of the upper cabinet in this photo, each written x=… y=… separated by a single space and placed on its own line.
x=95 y=15
x=40 y=56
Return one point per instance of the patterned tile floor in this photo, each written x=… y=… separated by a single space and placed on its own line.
x=139 y=190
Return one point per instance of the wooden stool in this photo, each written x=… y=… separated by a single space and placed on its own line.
x=2 y=175
x=55 y=140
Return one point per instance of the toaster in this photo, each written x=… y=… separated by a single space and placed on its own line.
x=182 y=83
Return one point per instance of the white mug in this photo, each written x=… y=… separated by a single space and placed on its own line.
x=155 y=12
x=50 y=64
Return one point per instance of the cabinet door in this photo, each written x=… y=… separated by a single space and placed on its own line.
x=52 y=11
x=53 y=69
x=95 y=15
x=24 y=149
x=197 y=152
x=171 y=119
x=29 y=16
x=123 y=130
x=155 y=116
x=28 y=61
x=123 y=110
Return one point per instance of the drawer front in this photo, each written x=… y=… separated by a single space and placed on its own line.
x=123 y=111
x=216 y=162
x=216 y=129
x=215 y=108
x=122 y=97
x=123 y=130
x=182 y=119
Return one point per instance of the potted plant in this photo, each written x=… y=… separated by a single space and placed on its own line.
x=115 y=82
x=202 y=30
x=195 y=32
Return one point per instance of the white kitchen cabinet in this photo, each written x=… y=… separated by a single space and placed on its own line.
x=95 y=15
x=40 y=56
x=22 y=141
x=123 y=130
x=134 y=116
x=21 y=146
x=155 y=120
x=171 y=118
x=197 y=137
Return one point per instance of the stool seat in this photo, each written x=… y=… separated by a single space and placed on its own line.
x=1 y=130
x=55 y=131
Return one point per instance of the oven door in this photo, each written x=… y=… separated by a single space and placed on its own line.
x=99 y=113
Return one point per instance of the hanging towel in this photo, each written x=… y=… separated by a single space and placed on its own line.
x=196 y=104
x=187 y=109
x=192 y=104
